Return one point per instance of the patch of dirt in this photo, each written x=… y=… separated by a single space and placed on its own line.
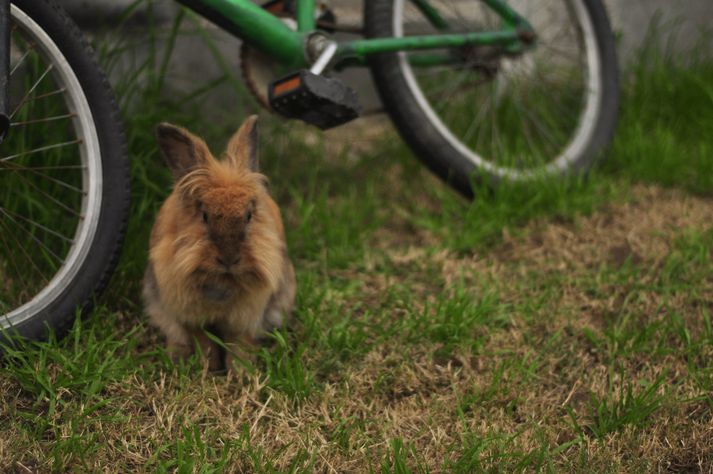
x=641 y=228
x=638 y=233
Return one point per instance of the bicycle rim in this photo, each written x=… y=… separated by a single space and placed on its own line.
x=50 y=176
x=514 y=116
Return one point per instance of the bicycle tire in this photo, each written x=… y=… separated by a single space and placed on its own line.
x=93 y=268
x=447 y=159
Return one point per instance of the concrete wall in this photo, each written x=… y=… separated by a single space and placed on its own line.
x=631 y=18
x=689 y=20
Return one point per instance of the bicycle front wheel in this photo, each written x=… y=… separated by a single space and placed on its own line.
x=491 y=113
x=64 y=176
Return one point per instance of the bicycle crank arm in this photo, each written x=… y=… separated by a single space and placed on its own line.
x=4 y=67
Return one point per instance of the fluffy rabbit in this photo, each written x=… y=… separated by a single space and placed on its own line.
x=218 y=258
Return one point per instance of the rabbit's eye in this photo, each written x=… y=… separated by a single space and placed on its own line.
x=205 y=217
x=249 y=216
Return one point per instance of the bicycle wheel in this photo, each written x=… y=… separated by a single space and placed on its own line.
x=548 y=110
x=64 y=176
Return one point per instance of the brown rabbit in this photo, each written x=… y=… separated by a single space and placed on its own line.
x=218 y=258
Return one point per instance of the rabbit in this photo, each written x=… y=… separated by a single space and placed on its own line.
x=218 y=258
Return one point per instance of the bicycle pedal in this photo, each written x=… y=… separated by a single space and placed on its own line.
x=320 y=101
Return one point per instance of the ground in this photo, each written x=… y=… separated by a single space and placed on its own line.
x=557 y=327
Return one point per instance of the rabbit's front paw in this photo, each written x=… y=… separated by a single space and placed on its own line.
x=272 y=319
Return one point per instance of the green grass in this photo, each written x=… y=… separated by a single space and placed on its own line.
x=630 y=408
x=666 y=143
x=559 y=327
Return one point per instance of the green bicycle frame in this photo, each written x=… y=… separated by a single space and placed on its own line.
x=269 y=34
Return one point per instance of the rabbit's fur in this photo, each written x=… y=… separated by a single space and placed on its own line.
x=218 y=258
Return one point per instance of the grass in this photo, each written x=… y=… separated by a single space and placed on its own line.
x=557 y=327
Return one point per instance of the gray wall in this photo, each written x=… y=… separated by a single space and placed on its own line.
x=689 y=19
x=630 y=17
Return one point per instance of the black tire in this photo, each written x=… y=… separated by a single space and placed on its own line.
x=105 y=246
x=430 y=145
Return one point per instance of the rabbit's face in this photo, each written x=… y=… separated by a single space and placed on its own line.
x=221 y=222
x=226 y=215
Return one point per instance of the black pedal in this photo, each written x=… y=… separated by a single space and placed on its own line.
x=317 y=100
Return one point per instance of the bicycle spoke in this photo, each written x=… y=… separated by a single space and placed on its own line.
x=475 y=123
x=495 y=134
x=554 y=102
x=45 y=95
x=481 y=129
x=557 y=103
x=22 y=58
x=453 y=90
x=560 y=52
x=38 y=225
x=51 y=198
x=10 y=257
x=24 y=251
x=525 y=126
x=32 y=236
x=16 y=167
x=32 y=89
x=44 y=148
x=43 y=120
x=6 y=167
x=545 y=132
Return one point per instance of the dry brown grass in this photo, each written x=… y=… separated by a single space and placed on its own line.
x=513 y=393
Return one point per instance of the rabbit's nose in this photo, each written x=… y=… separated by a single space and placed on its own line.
x=227 y=262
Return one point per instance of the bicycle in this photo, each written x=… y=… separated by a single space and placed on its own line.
x=479 y=89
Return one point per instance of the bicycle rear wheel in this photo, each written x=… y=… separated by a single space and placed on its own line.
x=548 y=110
x=64 y=176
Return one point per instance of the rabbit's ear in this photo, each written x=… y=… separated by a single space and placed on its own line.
x=182 y=150
x=242 y=148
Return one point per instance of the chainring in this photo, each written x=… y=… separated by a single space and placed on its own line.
x=258 y=70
